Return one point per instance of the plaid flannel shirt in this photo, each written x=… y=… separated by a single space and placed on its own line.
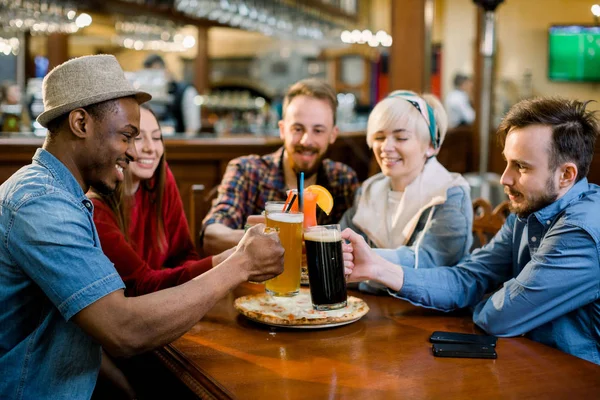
x=250 y=181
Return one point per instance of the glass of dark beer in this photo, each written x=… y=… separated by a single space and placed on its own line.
x=325 y=262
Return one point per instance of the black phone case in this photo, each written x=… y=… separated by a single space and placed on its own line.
x=463 y=350
x=462 y=338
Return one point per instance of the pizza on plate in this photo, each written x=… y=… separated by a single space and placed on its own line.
x=296 y=310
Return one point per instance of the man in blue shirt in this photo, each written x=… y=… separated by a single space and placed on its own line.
x=543 y=266
x=60 y=296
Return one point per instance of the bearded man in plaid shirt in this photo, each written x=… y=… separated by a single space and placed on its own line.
x=307 y=130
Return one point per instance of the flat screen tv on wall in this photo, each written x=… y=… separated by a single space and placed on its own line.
x=574 y=53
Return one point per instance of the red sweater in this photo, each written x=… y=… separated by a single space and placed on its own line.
x=143 y=267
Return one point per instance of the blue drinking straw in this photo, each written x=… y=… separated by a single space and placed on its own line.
x=301 y=192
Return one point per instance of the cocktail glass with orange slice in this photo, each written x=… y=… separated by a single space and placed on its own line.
x=324 y=198
x=313 y=195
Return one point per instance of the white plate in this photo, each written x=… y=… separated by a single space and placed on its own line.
x=300 y=306
x=332 y=325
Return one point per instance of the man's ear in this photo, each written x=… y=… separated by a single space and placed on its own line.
x=334 y=134
x=80 y=122
x=568 y=174
x=281 y=129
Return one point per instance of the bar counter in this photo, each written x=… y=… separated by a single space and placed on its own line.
x=198 y=163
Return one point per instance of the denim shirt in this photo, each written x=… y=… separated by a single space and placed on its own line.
x=51 y=267
x=544 y=269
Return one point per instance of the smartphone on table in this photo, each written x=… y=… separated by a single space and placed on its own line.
x=462 y=338
x=464 y=350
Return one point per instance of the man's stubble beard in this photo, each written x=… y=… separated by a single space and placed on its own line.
x=308 y=172
x=100 y=187
x=536 y=203
x=95 y=170
x=103 y=189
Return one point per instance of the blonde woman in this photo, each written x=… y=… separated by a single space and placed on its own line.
x=415 y=212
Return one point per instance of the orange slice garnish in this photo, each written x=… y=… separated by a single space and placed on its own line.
x=324 y=198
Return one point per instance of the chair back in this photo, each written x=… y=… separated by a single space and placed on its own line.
x=200 y=203
x=487 y=222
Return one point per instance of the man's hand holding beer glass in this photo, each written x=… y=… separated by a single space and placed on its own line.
x=262 y=253
x=362 y=263
x=348 y=258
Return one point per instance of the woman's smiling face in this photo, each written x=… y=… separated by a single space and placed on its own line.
x=149 y=147
x=400 y=149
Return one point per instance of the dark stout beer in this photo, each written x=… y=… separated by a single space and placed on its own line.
x=325 y=263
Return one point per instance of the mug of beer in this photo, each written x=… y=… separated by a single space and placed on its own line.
x=290 y=235
x=325 y=262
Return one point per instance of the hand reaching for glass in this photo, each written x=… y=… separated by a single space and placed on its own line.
x=361 y=263
x=358 y=257
x=348 y=259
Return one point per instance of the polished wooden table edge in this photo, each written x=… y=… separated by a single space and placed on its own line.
x=197 y=380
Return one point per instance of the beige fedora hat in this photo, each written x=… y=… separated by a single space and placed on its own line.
x=83 y=81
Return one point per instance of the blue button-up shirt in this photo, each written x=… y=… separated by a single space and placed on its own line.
x=51 y=267
x=545 y=271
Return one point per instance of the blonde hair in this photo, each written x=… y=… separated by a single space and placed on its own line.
x=313 y=88
x=392 y=112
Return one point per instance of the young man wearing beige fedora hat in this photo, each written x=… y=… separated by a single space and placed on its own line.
x=61 y=297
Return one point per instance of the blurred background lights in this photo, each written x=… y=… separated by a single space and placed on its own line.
x=381 y=38
x=83 y=20
x=346 y=37
x=380 y=35
x=24 y=16
x=189 y=42
x=259 y=102
x=148 y=33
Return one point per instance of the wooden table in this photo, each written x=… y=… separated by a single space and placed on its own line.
x=385 y=355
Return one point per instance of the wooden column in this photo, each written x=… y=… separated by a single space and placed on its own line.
x=477 y=77
x=58 y=49
x=201 y=79
x=29 y=57
x=408 y=54
x=496 y=162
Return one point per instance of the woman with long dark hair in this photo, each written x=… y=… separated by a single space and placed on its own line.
x=142 y=225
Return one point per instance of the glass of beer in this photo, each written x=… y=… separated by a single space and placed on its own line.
x=274 y=206
x=325 y=267
x=290 y=235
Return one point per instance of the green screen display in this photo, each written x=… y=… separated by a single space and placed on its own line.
x=574 y=53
